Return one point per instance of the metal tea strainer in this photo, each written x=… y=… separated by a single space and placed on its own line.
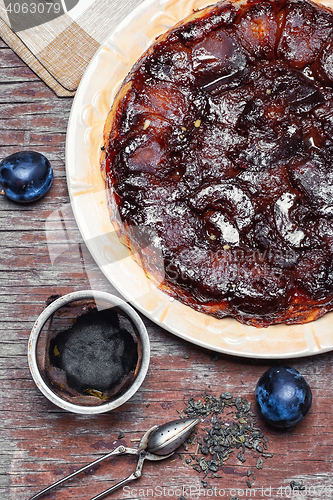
x=158 y=443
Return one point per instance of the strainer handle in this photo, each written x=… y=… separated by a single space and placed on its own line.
x=135 y=475
x=121 y=450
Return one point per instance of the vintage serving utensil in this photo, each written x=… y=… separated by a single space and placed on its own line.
x=157 y=443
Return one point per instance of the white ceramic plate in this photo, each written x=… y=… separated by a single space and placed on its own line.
x=86 y=187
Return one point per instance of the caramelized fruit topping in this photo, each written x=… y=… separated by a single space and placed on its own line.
x=220 y=160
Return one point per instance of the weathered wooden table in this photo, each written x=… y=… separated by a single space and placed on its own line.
x=39 y=442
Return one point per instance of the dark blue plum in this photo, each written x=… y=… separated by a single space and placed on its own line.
x=25 y=176
x=283 y=396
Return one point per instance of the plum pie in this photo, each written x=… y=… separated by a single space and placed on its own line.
x=218 y=161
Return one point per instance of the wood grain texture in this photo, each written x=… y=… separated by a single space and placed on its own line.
x=39 y=442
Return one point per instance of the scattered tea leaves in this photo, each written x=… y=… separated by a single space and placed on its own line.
x=260 y=463
x=228 y=425
x=295 y=485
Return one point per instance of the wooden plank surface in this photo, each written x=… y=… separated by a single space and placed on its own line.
x=39 y=442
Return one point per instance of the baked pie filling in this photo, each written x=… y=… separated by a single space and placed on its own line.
x=218 y=161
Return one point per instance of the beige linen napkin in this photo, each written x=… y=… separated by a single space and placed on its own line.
x=57 y=38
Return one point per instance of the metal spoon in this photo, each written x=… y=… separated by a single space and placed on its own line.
x=156 y=444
